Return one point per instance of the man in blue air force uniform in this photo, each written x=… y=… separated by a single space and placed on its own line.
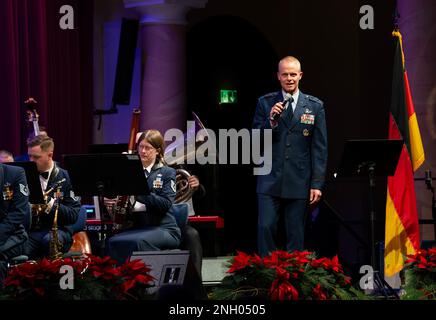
x=299 y=157
x=14 y=206
x=40 y=150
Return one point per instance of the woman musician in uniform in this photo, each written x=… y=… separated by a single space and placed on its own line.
x=154 y=228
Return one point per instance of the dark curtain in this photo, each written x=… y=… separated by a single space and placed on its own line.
x=39 y=59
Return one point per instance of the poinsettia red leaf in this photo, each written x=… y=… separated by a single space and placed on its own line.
x=143 y=278
x=272 y=260
x=97 y=274
x=294 y=292
x=256 y=259
x=127 y=285
x=39 y=290
x=241 y=261
x=273 y=292
x=282 y=274
x=9 y=282
x=283 y=291
x=136 y=264
x=316 y=263
x=422 y=259
x=288 y=292
x=319 y=293
x=44 y=264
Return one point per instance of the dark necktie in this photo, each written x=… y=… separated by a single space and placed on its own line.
x=44 y=174
x=146 y=173
x=291 y=110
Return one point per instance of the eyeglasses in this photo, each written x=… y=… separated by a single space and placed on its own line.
x=146 y=148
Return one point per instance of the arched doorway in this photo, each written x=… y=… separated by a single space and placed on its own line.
x=227 y=52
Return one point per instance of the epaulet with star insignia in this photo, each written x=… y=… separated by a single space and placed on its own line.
x=269 y=95
x=314 y=99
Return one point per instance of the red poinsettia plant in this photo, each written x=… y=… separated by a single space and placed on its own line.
x=282 y=275
x=420 y=273
x=92 y=278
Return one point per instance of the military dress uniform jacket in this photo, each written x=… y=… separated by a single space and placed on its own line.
x=162 y=185
x=69 y=206
x=299 y=147
x=13 y=211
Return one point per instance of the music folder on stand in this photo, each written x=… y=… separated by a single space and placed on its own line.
x=106 y=175
x=371 y=158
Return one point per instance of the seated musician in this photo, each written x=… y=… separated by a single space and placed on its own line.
x=25 y=157
x=6 y=156
x=153 y=227
x=40 y=150
x=14 y=206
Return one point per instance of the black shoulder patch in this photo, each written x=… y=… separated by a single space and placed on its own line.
x=314 y=99
x=269 y=95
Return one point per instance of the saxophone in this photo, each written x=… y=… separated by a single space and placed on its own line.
x=55 y=244
x=39 y=209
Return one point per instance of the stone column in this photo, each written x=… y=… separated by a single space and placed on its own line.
x=163 y=87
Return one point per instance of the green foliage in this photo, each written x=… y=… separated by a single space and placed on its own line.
x=93 y=278
x=285 y=276
x=420 y=273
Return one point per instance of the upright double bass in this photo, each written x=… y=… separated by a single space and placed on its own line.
x=32 y=115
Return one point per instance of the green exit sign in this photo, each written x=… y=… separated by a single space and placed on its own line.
x=228 y=96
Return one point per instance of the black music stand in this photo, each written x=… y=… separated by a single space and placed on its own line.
x=429 y=183
x=32 y=177
x=106 y=175
x=371 y=158
x=108 y=148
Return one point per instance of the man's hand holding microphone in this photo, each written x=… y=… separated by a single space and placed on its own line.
x=278 y=108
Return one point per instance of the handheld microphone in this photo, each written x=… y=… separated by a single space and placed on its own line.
x=287 y=97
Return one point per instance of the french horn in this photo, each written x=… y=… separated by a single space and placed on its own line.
x=183 y=191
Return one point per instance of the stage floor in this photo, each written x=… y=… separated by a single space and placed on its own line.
x=214 y=270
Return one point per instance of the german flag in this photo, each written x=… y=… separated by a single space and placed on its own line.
x=402 y=228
